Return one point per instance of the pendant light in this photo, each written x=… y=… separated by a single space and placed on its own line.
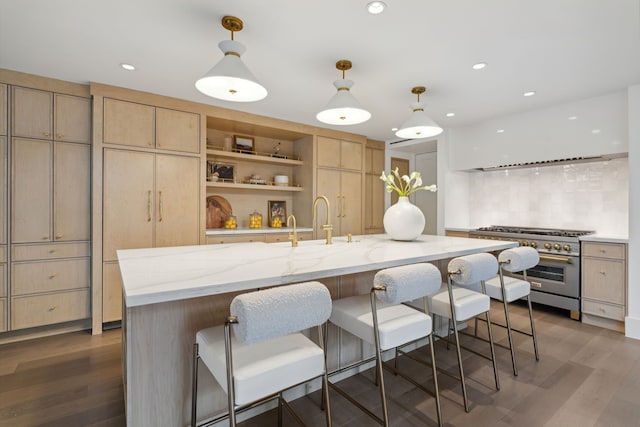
x=343 y=108
x=419 y=125
x=230 y=79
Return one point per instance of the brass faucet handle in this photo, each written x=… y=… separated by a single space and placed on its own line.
x=349 y=238
x=293 y=236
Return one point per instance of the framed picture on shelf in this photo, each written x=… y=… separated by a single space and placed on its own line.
x=243 y=144
x=277 y=213
x=220 y=172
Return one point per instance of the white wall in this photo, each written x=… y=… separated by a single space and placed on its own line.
x=600 y=127
x=632 y=322
x=582 y=196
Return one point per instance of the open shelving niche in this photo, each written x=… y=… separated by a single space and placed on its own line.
x=293 y=158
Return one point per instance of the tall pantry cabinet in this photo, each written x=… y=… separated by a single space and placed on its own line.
x=149 y=170
x=45 y=149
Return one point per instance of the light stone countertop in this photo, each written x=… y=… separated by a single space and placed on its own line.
x=605 y=238
x=169 y=274
x=240 y=231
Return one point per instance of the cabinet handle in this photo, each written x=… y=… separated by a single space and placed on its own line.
x=160 y=203
x=45 y=238
x=342 y=207
x=53 y=275
x=603 y=273
x=47 y=134
x=602 y=251
x=59 y=236
x=149 y=206
x=59 y=135
x=52 y=251
x=53 y=307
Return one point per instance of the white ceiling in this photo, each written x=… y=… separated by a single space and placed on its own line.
x=564 y=50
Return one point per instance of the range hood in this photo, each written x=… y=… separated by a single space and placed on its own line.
x=572 y=160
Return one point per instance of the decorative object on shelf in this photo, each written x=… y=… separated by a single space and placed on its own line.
x=255 y=220
x=230 y=79
x=404 y=220
x=222 y=172
x=228 y=143
x=281 y=180
x=343 y=108
x=419 y=125
x=231 y=222
x=277 y=213
x=243 y=144
x=257 y=179
x=218 y=211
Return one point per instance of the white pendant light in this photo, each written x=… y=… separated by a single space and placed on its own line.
x=419 y=125
x=230 y=79
x=343 y=108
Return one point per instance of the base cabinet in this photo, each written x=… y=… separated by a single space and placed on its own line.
x=604 y=284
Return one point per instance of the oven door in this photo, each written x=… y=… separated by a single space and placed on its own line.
x=555 y=274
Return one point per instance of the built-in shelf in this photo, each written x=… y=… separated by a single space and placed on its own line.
x=258 y=157
x=258 y=187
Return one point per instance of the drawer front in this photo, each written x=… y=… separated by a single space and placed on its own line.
x=3 y=314
x=604 y=250
x=602 y=309
x=47 y=276
x=603 y=280
x=50 y=251
x=217 y=240
x=39 y=310
x=284 y=237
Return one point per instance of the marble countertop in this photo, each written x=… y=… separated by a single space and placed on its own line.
x=169 y=274
x=605 y=238
x=230 y=231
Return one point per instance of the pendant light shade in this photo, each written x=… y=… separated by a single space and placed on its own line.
x=230 y=79
x=419 y=125
x=343 y=108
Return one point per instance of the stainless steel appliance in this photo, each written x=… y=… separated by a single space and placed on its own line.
x=555 y=281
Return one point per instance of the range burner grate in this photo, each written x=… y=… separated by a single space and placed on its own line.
x=538 y=231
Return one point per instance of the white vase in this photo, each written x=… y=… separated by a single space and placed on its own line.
x=404 y=220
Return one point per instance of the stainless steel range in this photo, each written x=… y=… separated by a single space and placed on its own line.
x=555 y=281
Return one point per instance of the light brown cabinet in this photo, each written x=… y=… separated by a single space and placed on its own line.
x=145 y=126
x=374 y=188
x=32 y=113
x=50 y=191
x=344 y=191
x=111 y=292
x=336 y=153
x=3 y=109
x=604 y=284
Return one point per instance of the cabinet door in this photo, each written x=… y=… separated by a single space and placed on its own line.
x=177 y=200
x=71 y=191
x=72 y=118
x=177 y=130
x=351 y=189
x=3 y=190
x=328 y=152
x=32 y=113
x=3 y=311
x=603 y=280
x=31 y=191
x=111 y=292
x=374 y=203
x=329 y=186
x=351 y=155
x=127 y=201
x=128 y=123
x=3 y=109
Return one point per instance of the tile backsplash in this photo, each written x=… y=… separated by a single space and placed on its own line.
x=582 y=196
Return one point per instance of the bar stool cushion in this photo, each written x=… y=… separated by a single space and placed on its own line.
x=468 y=303
x=398 y=324
x=263 y=368
x=518 y=259
x=513 y=288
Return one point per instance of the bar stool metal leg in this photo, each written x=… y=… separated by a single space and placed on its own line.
x=194 y=386
x=533 y=329
x=379 y=374
x=457 y=339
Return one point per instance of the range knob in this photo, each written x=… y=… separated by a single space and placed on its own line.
x=533 y=245
x=567 y=248
x=524 y=243
x=556 y=246
x=547 y=245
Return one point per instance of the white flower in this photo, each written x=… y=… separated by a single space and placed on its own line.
x=407 y=184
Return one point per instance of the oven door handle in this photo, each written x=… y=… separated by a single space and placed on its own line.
x=555 y=258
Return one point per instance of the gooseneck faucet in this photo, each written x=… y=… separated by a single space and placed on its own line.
x=293 y=236
x=326 y=227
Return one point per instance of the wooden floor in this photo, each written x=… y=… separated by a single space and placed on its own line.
x=586 y=376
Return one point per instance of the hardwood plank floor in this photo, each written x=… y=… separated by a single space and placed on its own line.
x=586 y=376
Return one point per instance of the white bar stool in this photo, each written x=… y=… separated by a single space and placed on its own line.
x=459 y=304
x=266 y=354
x=382 y=320
x=508 y=289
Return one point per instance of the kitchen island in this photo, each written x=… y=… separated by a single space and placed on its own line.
x=170 y=293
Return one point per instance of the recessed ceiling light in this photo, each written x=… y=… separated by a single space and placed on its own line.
x=376 y=7
x=595 y=131
x=394 y=129
x=128 y=67
x=530 y=93
x=479 y=65
x=572 y=117
x=500 y=131
x=450 y=114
